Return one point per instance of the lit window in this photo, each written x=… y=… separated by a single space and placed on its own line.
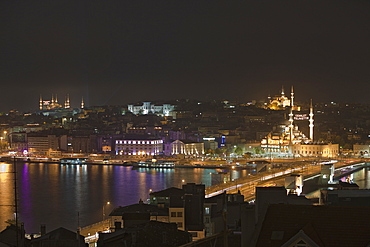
x=207 y=210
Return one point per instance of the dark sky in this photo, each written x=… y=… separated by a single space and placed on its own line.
x=115 y=52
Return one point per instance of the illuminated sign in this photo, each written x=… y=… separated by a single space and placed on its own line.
x=301 y=117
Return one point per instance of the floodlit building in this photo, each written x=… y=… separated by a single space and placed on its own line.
x=278 y=102
x=148 y=107
x=361 y=149
x=313 y=149
x=53 y=103
x=53 y=108
x=139 y=146
x=187 y=147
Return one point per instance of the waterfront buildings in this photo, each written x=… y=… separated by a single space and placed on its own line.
x=140 y=146
x=42 y=144
x=187 y=148
x=316 y=149
x=223 y=128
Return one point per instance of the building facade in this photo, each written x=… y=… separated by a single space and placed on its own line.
x=148 y=107
x=312 y=149
x=187 y=147
x=42 y=144
x=143 y=146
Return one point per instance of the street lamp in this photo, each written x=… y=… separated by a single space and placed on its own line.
x=182 y=182
x=150 y=192
x=107 y=203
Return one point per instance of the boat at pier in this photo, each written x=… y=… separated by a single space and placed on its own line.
x=73 y=161
x=154 y=163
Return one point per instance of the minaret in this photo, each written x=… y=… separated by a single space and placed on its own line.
x=282 y=91
x=82 y=103
x=311 y=121
x=291 y=126
x=292 y=96
x=40 y=103
x=56 y=99
x=52 y=100
x=67 y=103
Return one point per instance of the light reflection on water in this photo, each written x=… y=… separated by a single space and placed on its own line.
x=6 y=192
x=55 y=194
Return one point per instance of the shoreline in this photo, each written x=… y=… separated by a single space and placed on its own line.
x=133 y=164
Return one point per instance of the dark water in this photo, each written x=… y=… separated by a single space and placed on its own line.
x=55 y=194
x=361 y=178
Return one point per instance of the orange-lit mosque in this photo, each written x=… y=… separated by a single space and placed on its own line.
x=288 y=140
x=54 y=104
x=52 y=107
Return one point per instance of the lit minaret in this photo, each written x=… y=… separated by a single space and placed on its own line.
x=291 y=115
x=66 y=102
x=40 y=103
x=311 y=121
x=82 y=103
x=52 y=100
x=282 y=91
x=56 y=99
x=292 y=97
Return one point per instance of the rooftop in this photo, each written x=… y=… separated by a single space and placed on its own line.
x=324 y=225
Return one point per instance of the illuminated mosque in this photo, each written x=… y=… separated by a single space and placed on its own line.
x=280 y=102
x=54 y=108
x=288 y=140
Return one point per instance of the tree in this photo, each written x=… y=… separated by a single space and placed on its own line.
x=238 y=151
x=258 y=150
x=220 y=151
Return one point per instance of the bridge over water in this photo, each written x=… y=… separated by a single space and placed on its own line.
x=311 y=171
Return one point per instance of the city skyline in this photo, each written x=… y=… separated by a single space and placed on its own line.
x=120 y=52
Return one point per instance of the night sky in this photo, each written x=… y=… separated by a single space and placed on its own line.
x=116 y=52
